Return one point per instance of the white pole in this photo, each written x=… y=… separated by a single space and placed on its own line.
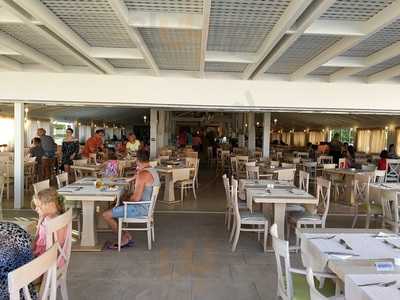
x=167 y=128
x=153 y=133
x=252 y=132
x=19 y=121
x=161 y=129
x=241 y=129
x=266 y=134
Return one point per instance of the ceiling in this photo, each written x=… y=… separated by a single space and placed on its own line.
x=331 y=39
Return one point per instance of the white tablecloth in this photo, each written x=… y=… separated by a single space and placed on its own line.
x=355 y=292
x=366 y=246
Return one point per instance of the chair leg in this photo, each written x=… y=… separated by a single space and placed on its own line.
x=149 y=238
x=258 y=233
x=297 y=237
x=63 y=287
x=355 y=217
x=235 y=241
x=152 y=232
x=182 y=190
x=265 y=236
x=367 y=220
x=232 y=231
x=194 y=190
x=119 y=234
x=229 y=218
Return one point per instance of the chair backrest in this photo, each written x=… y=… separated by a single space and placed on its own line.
x=227 y=187
x=329 y=166
x=80 y=162
x=393 y=170
x=92 y=158
x=250 y=164
x=153 y=200
x=324 y=197
x=325 y=159
x=274 y=163
x=252 y=172
x=191 y=154
x=314 y=293
x=62 y=179
x=234 y=200
x=2 y=181
x=180 y=174
x=379 y=176
x=53 y=226
x=191 y=162
x=304 y=180
x=286 y=175
x=361 y=188
x=296 y=160
x=281 y=249
x=342 y=163
x=287 y=165
x=241 y=164
x=40 y=186
x=45 y=264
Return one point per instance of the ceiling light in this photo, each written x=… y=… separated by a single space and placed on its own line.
x=26 y=109
x=275 y=121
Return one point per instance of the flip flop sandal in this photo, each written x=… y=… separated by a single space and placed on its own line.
x=114 y=246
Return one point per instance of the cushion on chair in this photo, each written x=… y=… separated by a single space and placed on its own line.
x=302 y=291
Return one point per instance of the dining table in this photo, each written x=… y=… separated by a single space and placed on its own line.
x=87 y=195
x=280 y=194
x=167 y=171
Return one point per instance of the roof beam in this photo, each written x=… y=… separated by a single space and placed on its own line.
x=123 y=15
x=334 y=27
x=165 y=20
x=372 y=60
x=41 y=13
x=316 y=10
x=230 y=57
x=204 y=34
x=286 y=21
x=9 y=63
x=7 y=51
x=376 y=23
x=118 y=53
x=385 y=74
x=345 y=62
x=29 y=52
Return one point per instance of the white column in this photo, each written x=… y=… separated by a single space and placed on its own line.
x=19 y=121
x=153 y=133
x=167 y=128
x=266 y=134
x=252 y=132
x=241 y=129
x=161 y=129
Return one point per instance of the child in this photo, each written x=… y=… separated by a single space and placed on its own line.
x=48 y=206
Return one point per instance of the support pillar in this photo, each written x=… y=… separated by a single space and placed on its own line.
x=19 y=121
x=153 y=133
x=167 y=128
x=252 y=132
x=241 y=129
x=161 y=129
x=266 y=134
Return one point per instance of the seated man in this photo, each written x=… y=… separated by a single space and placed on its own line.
x=146 y=178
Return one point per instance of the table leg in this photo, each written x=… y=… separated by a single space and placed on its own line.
x=169 y=194
x=279 y=218
x=89 y=237
x=349 y=195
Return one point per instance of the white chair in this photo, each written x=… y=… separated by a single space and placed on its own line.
x=286 y=175
x=241 y=165
x=393 y=170
x=329 y=166
x=229 y=207
x=146 y=220
x=243 y=219
x=45 y=264
x=362 y=199
x=62 y=179
x=379 y=176
x=2 y=180
x=296 y=160
x=314 y=293
x=308 y=219
x=274 y=163
x=288 y=166
x=252 y=172
x=391 y=211
x=62 y=222
x=304 y=179
x=292 y=282
x=7 y=171
x=79 y=173
x=40 y=186
x=183 y=181
x=324 y=159
x=233 y=167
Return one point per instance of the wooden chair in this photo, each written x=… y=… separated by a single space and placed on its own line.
x=307 y=219
x=379 y=176
x=78 y=172
x=329 y=166
x=286 y=175
x=62 y=179
x=21 y=278
x=148 y=220
x=391 y=211
x=7 y=171
x=241 y=165
x=252 y=172
x=178 y=176
x=314 y=293
x=274 y=163
x=191 y=182
x=292 y=282
x=393 y=170
x=229 y=207
x=362 y=199
x=304 y=179
x=40 y=186
x=233 y=167
x=325 y=159
x=64 y=253
x=243 y=219
x=2 y=180
x=29 y=175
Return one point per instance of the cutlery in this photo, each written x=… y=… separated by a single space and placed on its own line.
x=343 y=243
x=390 y=244
x=322 y=237
x=382 y=284
x=340 y=253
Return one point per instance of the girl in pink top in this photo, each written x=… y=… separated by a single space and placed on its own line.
x=48 y=206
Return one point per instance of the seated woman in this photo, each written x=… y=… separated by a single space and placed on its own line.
x=382 y=163
x=146 y=178
x=15 y=251
x=350 y=157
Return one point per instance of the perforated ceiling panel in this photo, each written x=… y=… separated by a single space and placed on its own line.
x=38 y=42
x=94 y=21
x=302 y=51
x=174 y=49
x=129 y=63
x=355 y=10
x=377 y=41
x=242 y=25
x=325 y=71
x=224 y=67
x=21 y=59
x=172 y=6
x=380 y=67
